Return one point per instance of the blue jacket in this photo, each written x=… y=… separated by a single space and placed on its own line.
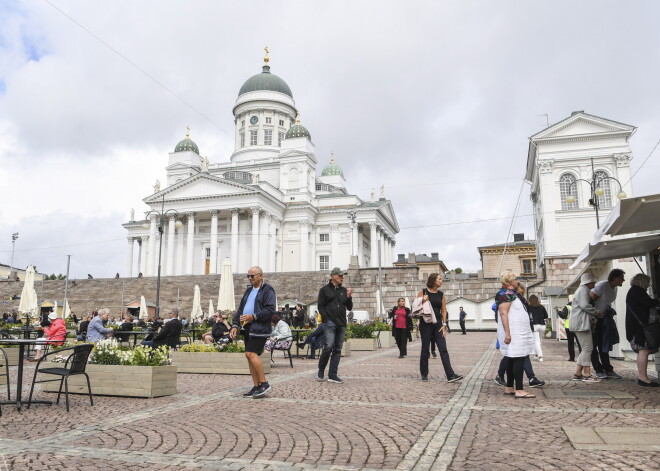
x=265 y=305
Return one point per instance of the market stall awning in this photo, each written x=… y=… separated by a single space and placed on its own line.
x=618 y=248
x=631 y=215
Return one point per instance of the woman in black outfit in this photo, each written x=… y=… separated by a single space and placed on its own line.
x=638 y=310
x=435 y=332
x=401 y=326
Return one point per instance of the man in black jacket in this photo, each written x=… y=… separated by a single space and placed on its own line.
x=334 y=300
x=170 y=333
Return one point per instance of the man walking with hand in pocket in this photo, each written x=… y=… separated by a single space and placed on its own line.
x=333 y=302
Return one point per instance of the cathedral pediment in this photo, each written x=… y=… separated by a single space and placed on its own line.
x=202 y=185
x=583 y=125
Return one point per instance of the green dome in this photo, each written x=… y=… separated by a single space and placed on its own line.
x=187 y=144
x=298 y=130
x=265 y=81
x=332 y=169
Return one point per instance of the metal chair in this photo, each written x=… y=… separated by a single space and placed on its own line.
x=5 y=335
x=74 y=365
x=285 y=350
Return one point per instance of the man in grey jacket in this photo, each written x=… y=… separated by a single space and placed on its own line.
x=580 y=321
x=95 y=329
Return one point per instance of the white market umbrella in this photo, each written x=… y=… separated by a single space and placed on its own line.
x=407 y=302
x=226 y=301
x=197 y=305
x=67 y=310
x=55 y=308
x=143 y=309
x=28 y=304
x=211 y=311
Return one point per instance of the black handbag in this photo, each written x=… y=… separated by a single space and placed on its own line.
x=651 y=332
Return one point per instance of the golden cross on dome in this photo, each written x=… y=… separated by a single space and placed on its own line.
x=188 y=131
x=332 y=157
x=266 y=59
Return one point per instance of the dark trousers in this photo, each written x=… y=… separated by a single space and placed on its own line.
x=462 y=324
x=527 y=367
x=431 y=335
x=334 y=340
x=572 y=339
x=514 y=372
x=401 y=338
x=600 y=360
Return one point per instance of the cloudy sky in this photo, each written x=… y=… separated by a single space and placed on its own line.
x=434 y=99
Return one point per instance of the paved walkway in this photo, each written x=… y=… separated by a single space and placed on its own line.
x=382 y=417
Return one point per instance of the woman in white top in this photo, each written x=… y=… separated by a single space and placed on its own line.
x=514 y=333
x=281 y=337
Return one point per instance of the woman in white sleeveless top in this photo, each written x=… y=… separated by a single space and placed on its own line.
x=514 y=333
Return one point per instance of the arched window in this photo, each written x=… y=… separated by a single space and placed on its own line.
x=293 y=178
x=604 y=201
x=568 y=187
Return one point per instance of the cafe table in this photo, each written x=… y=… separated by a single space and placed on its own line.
x=134 y=333
x=297 y=333
x=22 y=344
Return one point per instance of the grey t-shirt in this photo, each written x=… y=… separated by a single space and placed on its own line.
x=606 y=295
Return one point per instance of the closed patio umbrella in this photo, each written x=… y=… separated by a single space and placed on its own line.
x=67 y=310
x=197 y=305
x=380 y=308
x=143 y=309
x=226 y=301
x=28 y=304
x=55 y=308
x=211 y=310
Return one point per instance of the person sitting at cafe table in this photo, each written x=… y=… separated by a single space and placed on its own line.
x=315 y=341
x=55 y=331
x=126 y=326
x=95 y=329
x=280 y=337
x=219 y=331
x=81 y=333
x=169 y=334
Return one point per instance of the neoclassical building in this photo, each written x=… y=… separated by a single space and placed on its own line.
x=265 y=206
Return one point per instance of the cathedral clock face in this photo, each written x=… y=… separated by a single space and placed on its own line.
x=254 y=120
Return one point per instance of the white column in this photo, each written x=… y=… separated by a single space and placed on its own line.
x=304 y=244
x=234 y=239
x=152 y=247
x=392 y=254
x=354 y=238
x=157 y=248
x=254 y=257
x=191 y=242
x=384 y=241
x=334 y=246
x=271 y=244
x=169 y=258
x=264 y=254
x=143 y=255
x=129 y=259
x=213 y=269
x=374 y=244
x=180 y=234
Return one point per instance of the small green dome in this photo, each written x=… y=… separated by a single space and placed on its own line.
x=298 y=130
x=265 y=81
x=332 y=169
x=187 y=144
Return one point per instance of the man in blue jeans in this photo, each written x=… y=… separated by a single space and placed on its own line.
x=333 y=302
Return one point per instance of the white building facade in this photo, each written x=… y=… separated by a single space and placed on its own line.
x=266 y=206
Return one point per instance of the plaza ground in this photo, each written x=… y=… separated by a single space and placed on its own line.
x=382 y=417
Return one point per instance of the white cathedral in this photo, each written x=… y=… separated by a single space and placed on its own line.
x=266 y=206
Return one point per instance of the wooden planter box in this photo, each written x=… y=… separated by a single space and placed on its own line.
x=216 y=363
x=363 y=344
x=346 y=350
x=12 y=357
x=386 y=338
x=119 y=380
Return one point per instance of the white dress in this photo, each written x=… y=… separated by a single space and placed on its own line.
x=522 y=338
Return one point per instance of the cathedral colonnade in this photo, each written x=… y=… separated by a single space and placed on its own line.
x=247 y=236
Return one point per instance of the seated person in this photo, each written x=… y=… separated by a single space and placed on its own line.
x=55 y=331
x=299 y=316
x=95 y=330
x=81 y=333
x=141 y=324
x=219 y=331
x=315 y=341
x=127 y=326
x=169 y=334
x=280 y=337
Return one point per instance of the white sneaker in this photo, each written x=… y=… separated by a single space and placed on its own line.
x=540 y=358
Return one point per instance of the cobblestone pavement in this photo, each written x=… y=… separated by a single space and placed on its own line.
x=382 y=417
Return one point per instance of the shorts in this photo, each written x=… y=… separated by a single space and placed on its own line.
x=255 y=345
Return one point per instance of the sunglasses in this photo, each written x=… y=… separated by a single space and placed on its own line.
x=252 y=276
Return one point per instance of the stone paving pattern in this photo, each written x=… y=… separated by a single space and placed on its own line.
x=382 y=417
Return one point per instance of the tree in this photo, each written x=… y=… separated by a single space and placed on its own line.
x=458 y=270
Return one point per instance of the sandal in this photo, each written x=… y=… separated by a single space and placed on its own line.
x=590 y=379
x=525 y=396
x=577 y=378
x=509 y=393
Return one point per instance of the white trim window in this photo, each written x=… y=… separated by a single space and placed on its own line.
x=568 y=187
x=324 y=262
x=269 y=120
x=325 y=237
x=281 y=122
x=280 y=138
x=253 y=138
x=603 y=182
x=268 y=137
x=242 y=139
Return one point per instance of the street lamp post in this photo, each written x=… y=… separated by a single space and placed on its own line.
x=161 y=217
x=14 y=236
x=596 y=190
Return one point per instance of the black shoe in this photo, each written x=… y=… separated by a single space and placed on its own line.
x=335 y=379
x=301 y=346
x=251 y=392
x=651 y=384
x=425 y=378
x=500 y=381
x=571 y=359
x=454 y=378
x=319 y=376
x=435 y=355
x=536 y=383
x=261 y=391
x=400 y=356
x=311 y=358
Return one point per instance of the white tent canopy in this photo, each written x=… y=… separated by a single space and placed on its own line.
x=631 y=215
x=618 y=248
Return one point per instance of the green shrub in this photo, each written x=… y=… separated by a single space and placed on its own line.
x=380 y=325
x=361 y=331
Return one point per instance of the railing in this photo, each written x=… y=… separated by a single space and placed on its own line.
x=238 y=176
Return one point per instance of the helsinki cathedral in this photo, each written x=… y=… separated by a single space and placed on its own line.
x=266 y=205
